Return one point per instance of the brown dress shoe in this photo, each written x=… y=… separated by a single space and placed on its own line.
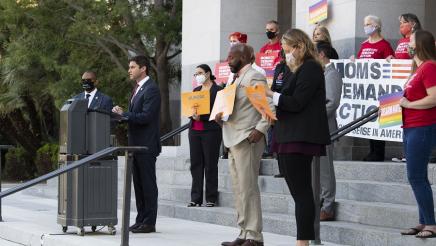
x=144 y=229
x=325 y=216
x=250 y=242
x=237 y=242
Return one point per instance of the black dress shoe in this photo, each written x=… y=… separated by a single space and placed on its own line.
x=279 y=175
x=134 y=226
x=144 y=229
x=236 y=242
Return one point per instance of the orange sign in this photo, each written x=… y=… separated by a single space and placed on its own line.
x=256 y=95
x=224 y=102
x=197 y=102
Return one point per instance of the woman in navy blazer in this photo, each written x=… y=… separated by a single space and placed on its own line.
x=204 y=141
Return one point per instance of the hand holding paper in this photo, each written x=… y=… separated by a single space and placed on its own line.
x=257 y=96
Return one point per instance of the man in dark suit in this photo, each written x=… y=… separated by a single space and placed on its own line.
x=143 y=121
x=96 y=99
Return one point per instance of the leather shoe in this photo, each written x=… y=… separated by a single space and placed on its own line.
x=236 y=242
x=251 y=242
x=134 y=226
x=326 y=216
x=144 y=229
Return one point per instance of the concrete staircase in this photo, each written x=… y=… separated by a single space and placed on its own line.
x=374 y=201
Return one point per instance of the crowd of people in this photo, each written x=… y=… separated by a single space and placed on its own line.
x=305 y=94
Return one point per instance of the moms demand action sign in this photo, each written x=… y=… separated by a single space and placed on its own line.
x=365 y=80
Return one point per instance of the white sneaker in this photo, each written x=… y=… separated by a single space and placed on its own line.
x=396 y=159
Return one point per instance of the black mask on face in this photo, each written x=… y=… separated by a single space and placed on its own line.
x=236 y=67
x=88 y=85
x=270 y=34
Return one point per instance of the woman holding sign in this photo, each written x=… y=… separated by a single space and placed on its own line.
x=204 y=143
x=419 y=124
x=301 y=130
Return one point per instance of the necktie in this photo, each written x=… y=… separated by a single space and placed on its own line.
x=87 y=96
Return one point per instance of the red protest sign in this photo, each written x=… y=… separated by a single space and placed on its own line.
x=222 y=72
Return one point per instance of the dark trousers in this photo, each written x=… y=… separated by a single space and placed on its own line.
x=297 y=170
x=377 y=148
x=418 y=145
x=144 y=181
x=204 y=148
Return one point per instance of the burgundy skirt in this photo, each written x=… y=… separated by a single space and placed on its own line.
x=297 y=148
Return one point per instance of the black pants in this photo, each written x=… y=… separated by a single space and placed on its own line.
x=377 y=148
x=144 y=181
x=204 y=148
x=297 y=170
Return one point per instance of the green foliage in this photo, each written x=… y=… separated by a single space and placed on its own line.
x=47 y=159
x=18 y=166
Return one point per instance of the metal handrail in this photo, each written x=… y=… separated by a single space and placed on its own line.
x=174 y=132
x=356 y=121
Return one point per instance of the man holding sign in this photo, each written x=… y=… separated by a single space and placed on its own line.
x=244 y=134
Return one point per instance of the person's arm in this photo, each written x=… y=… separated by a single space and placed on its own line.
x=150 y=108
x=308 y=81
x=333 y=92
x=388 y=51
x=424 y=103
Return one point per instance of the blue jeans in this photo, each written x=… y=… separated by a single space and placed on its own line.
x=418 y=144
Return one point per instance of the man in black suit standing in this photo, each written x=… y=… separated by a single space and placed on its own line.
x=143 y=121
x=96 y=99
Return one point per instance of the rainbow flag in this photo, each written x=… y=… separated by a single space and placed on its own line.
x=318 y=12
x=390 y=110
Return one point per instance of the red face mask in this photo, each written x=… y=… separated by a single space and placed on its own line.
x=405 y=29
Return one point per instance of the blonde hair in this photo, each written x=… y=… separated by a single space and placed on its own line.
x=325 y=34
x=298 y=38
x=376 y=20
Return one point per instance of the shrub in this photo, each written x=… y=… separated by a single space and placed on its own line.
x=46 y=159
x=17 y=165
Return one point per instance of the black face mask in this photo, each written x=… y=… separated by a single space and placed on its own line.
x=271 y=35
x=88 y=85
x=236 y=67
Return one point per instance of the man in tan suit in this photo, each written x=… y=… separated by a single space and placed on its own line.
x=244 y=134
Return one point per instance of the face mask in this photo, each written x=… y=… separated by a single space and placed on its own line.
x=270 y=34
x=411 y=51
x=405 y=29
x=200 y=79
x=290 y=57
x=233 y=43
x=369 y=30
x=88 y=85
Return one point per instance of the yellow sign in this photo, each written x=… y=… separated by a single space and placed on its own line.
x=197 y=102
x=256 y=95
x=224 y=102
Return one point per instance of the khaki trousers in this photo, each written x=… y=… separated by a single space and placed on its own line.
x=244 y=164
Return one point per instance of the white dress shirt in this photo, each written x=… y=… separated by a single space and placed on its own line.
x=140 y=84
x=91 y=97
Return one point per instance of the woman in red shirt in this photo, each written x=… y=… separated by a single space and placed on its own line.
x=419 y=123
x=408 y=24
x=375 y=47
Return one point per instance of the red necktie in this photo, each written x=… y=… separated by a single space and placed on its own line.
x=134 y=91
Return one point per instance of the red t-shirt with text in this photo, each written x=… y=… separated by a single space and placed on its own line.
x=424 y=78
x=402 y=49
x=271 y=47
x=377 y=50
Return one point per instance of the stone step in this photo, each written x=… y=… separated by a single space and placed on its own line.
x=347 y=233
x=369 y=213
x=360 y=190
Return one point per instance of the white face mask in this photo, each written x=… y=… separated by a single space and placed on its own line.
x=289 y=57
x=369 y=30
x=201 y=78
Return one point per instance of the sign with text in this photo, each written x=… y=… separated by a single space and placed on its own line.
x=195 y=102
x=222 y=72
x=268 y=62
x=390 y=110
x=224 y=102
x=365 y=81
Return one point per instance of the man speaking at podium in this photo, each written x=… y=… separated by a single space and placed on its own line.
x=143 y=121
x=96 y=99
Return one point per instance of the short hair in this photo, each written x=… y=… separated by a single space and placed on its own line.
x=376 y=20
x=274 y=22
x=141 y=61
x=408 y=17
x=91 y=72
x=325 y=47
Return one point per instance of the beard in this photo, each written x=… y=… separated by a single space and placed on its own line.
x=236 y=67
